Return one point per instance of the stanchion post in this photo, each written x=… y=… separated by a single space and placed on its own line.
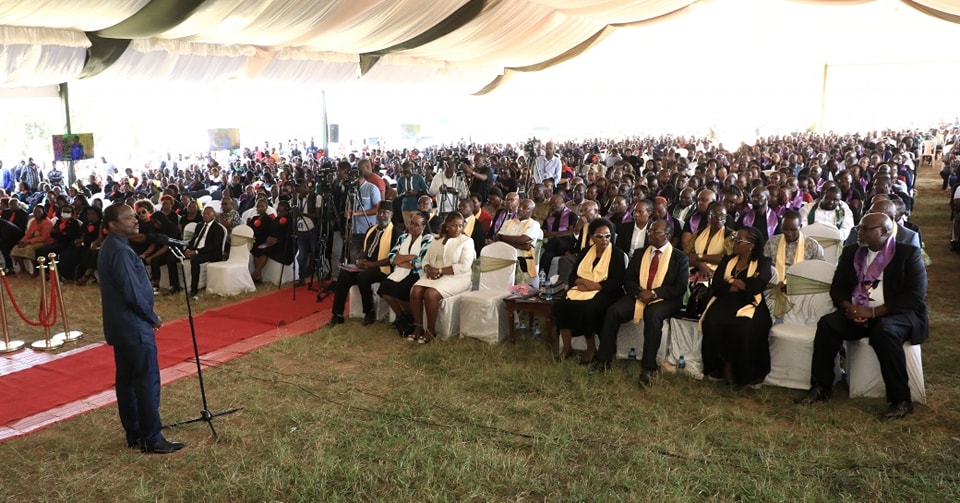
x=7 y=346
x=67 y=335
x=47 y=343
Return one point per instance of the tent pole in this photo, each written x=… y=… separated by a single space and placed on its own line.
x=823 y=98
x=324 y=124
x=64 y=91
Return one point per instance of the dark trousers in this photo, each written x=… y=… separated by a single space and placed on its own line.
x=653 y=317
x=307 y=246
x=170 y=260
x=195 y=262
x=555 y=247
x=138 y=391
x=364 y=280
x=887 y=335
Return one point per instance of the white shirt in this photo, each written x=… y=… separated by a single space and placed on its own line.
x=515 y=227
x=829 y=217
x=446 y=202
x=639 y=238
x=544 y=168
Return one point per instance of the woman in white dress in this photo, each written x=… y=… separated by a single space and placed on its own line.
x=446 y=271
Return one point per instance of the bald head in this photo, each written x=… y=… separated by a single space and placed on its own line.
x=886 y=207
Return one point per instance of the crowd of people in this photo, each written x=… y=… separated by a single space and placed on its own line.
x=633 y=227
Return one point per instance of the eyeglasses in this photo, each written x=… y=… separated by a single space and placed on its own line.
x=739 y=240
x=601 y=236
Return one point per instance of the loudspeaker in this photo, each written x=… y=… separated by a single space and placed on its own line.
x=334 y=135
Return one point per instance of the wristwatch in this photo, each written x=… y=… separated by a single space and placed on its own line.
x=654 y=294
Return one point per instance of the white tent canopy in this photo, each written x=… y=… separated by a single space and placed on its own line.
x=468 y=45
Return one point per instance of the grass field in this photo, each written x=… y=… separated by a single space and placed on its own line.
x=356 y=414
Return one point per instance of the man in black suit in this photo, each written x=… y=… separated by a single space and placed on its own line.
x=884 y=205
x=879 y=288
x=206 y=246
x=633 y=235
x=655 y=282
x=372 y=266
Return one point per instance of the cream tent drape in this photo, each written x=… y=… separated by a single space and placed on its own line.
x=465 y=43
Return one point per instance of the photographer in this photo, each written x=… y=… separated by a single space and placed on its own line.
x=482 y=176
x=307 y=215
x=448 y=188
x=410 y=186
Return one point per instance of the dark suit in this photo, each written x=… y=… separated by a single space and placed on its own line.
x=904 y=289
x=212 y=250
x=625 y=237
x=671 y=291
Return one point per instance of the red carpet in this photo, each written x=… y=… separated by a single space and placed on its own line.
x=87 y=372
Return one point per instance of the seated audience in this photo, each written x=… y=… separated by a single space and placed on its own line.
x=37 y=235
x=207 y=245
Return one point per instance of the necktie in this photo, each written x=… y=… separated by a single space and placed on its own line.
x=201 y=238
x=654 y=264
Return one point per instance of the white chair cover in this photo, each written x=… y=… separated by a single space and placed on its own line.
x=631 y=336
x=830 y=238
x=685 y=340
x=189 y=230
x=381 y=308
x=863 y=370
x=791 y=342
x=232 y=277
x=482 y=313
x=272 y=271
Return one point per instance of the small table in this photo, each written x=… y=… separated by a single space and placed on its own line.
x=532 y=306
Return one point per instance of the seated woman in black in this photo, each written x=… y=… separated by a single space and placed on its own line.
x=736 y=323
x=93 y=235
x=278 y=245
x=262 y=225
x=595 y=283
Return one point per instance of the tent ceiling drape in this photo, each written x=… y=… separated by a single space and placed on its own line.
x=469 y=45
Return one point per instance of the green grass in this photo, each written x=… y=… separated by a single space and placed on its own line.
x=356 y=414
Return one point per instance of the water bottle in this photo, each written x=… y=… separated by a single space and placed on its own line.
x=681 y=364
x=521 y=326
x=548 y=289
x=536 y=329
x=542 y=285
x=631 y=360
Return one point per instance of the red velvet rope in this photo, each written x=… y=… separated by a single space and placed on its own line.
x=42 y=318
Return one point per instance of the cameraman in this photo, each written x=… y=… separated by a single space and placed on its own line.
x=307 y=215
x=410 y=186
x=447 y=187
x=482 y=177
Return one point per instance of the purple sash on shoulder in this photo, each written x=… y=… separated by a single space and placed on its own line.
x=772 y=221
x=695 y=221
x=564 y=220
x=867 y=278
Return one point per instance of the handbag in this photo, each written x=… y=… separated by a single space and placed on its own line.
x=699 y=297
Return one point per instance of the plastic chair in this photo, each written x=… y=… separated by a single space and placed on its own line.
x=232 y=277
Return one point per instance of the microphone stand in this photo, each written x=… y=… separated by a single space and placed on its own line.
x=205 y=414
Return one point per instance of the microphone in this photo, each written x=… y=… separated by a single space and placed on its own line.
x=164 y=240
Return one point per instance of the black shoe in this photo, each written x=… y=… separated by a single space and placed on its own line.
x=813 y=395
x=369 y=319
x=335 y=320
x=162 y=446
x=646 y=377
x=299 y=282
x=598 y=367
x=331 y=287
x=898 y=410
x=133 y=443
x=173 y=291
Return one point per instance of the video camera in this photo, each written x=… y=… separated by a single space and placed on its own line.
x=530 y=150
